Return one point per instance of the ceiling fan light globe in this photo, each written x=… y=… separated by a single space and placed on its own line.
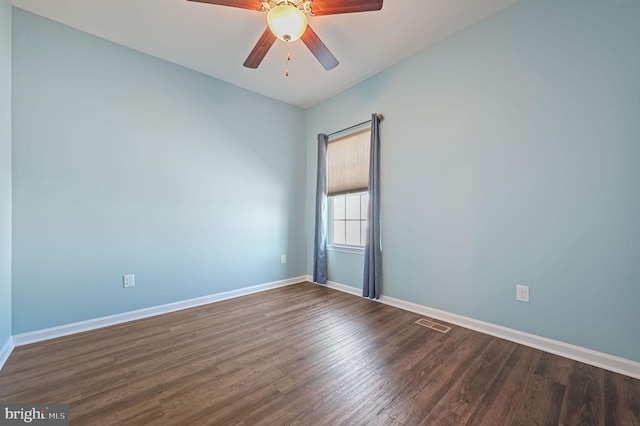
x=287 y=22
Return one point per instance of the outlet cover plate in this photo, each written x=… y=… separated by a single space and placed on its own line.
x=522 y=293
x=128 y=280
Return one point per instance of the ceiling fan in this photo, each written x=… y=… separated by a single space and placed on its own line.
x=287 y=21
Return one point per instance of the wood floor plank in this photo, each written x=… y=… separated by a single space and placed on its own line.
x=518 y=395
x=554 y=368
x=622 y=400
x=542 y=403
x=584 y=397
x=308 y=355
x=463 y=396
x=430 y=384
x=494 y=397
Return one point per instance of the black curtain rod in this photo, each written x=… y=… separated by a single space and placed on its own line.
x=380 y=117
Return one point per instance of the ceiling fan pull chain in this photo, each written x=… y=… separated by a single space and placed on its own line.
x=286 y=71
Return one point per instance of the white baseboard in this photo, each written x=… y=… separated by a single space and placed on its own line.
x=588 y=356
x=92 y=324
x=344 y=288
x=5 y=351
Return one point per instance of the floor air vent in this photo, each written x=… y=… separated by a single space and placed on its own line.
x=433 y=325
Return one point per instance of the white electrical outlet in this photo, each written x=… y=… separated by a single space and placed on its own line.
x=522 y=293
x=283 y=258
x=128 y=280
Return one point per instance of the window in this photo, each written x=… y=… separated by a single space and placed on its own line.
x=348 y=219
x=348 y=178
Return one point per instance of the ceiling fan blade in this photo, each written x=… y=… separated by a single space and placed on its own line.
x=334 y=7
x=242 y=4
x=260 y=49
x=319 y=50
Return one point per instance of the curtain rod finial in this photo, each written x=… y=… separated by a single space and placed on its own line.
x=380 y=117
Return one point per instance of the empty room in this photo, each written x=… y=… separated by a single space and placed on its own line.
x=323 y=212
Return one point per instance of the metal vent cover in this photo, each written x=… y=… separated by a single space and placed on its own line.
x=433 y=325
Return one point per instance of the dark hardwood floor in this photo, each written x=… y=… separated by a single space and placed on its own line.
x=308 y=355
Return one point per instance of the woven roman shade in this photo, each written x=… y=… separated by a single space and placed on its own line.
x=348 y=163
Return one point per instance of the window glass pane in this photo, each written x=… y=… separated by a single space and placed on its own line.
x=364 y=205
x=338 y=232
x=363 y=234
x=338 y=207
x=353 y=206
x=348 y=221
x=353 y=233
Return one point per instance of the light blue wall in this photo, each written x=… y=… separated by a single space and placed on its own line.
x=511 y=155
x=123 y=163
x=5 y=171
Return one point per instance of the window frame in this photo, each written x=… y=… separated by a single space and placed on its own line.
x=345 y=248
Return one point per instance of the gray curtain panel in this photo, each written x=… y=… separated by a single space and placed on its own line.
x=372 y=284
x=320 y=244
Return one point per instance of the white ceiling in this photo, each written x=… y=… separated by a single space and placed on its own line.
x=216 y=40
